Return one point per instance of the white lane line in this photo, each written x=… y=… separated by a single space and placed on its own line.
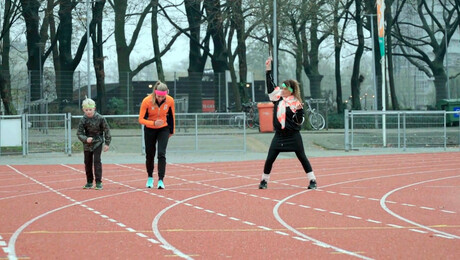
x=282 y=233
x=153 y=241
x=418 y=231
x=395 y=226
x=448 y=237
x=264 y=228
x=383 y=205
x=12 y=242
x=300 y=234
x=336 y=213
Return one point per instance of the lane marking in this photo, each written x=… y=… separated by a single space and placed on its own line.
x=384 y=207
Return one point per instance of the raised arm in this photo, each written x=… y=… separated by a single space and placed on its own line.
x=268 y=75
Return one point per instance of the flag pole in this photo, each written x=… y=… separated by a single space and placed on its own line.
x=381 y=30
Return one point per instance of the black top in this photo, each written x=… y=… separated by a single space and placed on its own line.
x=95 y=127
x=291 y=118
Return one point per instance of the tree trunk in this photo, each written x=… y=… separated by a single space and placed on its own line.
x=391 y=83
x=337 y=52
x=312 y=67
x=216 y=29
x=356 y=78
x=196 y=59
x=31 y=18
x=123 y=50
x=156 y=44
x=98 y=56
x=66 y=61
x=440 y=81
x=5 y=77
x=238 y=21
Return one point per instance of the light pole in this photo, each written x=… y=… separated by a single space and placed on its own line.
x=40 y=67
x=447 y=62
x=275 y=44
x=374 y=73
x=88 y=50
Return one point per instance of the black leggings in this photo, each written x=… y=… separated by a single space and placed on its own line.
x=151 y=138
x=275 y=150
x=93 y=157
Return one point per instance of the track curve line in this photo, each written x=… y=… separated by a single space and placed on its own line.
x=156 y=220
x=315 y=241
x=384 y=207
x=12 y=241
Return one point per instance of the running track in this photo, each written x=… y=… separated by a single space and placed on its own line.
x=401 y=206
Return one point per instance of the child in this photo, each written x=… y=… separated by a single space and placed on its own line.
x=288 y=116
x=92 y=131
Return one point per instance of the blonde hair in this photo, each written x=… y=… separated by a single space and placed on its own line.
x=158 y=86
x=294 y=84
x=88 y=103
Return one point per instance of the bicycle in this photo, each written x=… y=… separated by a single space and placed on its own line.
x=252 y=114
x=316 y=120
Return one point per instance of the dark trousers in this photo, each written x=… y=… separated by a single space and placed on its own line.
x=287 y=143
x=93 y=157
x=151 y=138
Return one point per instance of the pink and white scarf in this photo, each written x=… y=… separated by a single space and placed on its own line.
x=289 y=101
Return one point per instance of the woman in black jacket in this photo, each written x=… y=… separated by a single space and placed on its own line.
x=288 y=116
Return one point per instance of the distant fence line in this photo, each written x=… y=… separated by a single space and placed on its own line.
x=402 y=129
x=195 y=132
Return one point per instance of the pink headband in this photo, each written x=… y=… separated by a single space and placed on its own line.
x=161 y=93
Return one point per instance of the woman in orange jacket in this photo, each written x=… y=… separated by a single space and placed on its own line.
x=158 y=117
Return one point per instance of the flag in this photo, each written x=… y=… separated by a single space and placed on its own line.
x=381 y=25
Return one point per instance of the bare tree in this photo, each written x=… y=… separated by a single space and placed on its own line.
x=340 y=17
x=422 y=36
x=356 y=77
x=10 y=14
x=97 y=38
x=125 y=46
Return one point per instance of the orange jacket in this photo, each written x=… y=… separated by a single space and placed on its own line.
x=148 y=113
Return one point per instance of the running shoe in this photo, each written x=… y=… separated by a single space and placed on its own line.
x=160 y=185
x=98 y=186
x=263 y=184
x=149 y=183
x=312 y=185
x=88 y=185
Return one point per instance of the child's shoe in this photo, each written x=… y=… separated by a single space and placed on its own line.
x=88 y=185
x=160 y=185
x=312 y=185
x=149 y=183
x=263 y=184
x=98 y=186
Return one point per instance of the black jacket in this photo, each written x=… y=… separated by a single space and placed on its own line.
x=293 y=120
x=95 y=127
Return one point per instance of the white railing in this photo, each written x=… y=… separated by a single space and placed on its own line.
x=219 y=132
x=403 y=129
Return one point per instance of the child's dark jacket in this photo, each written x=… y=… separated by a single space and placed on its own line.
x=95 y=127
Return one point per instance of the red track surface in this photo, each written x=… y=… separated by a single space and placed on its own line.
x=403 y=206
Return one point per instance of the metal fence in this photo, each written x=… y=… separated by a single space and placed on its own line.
x=400 y=129
x=47 y=133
